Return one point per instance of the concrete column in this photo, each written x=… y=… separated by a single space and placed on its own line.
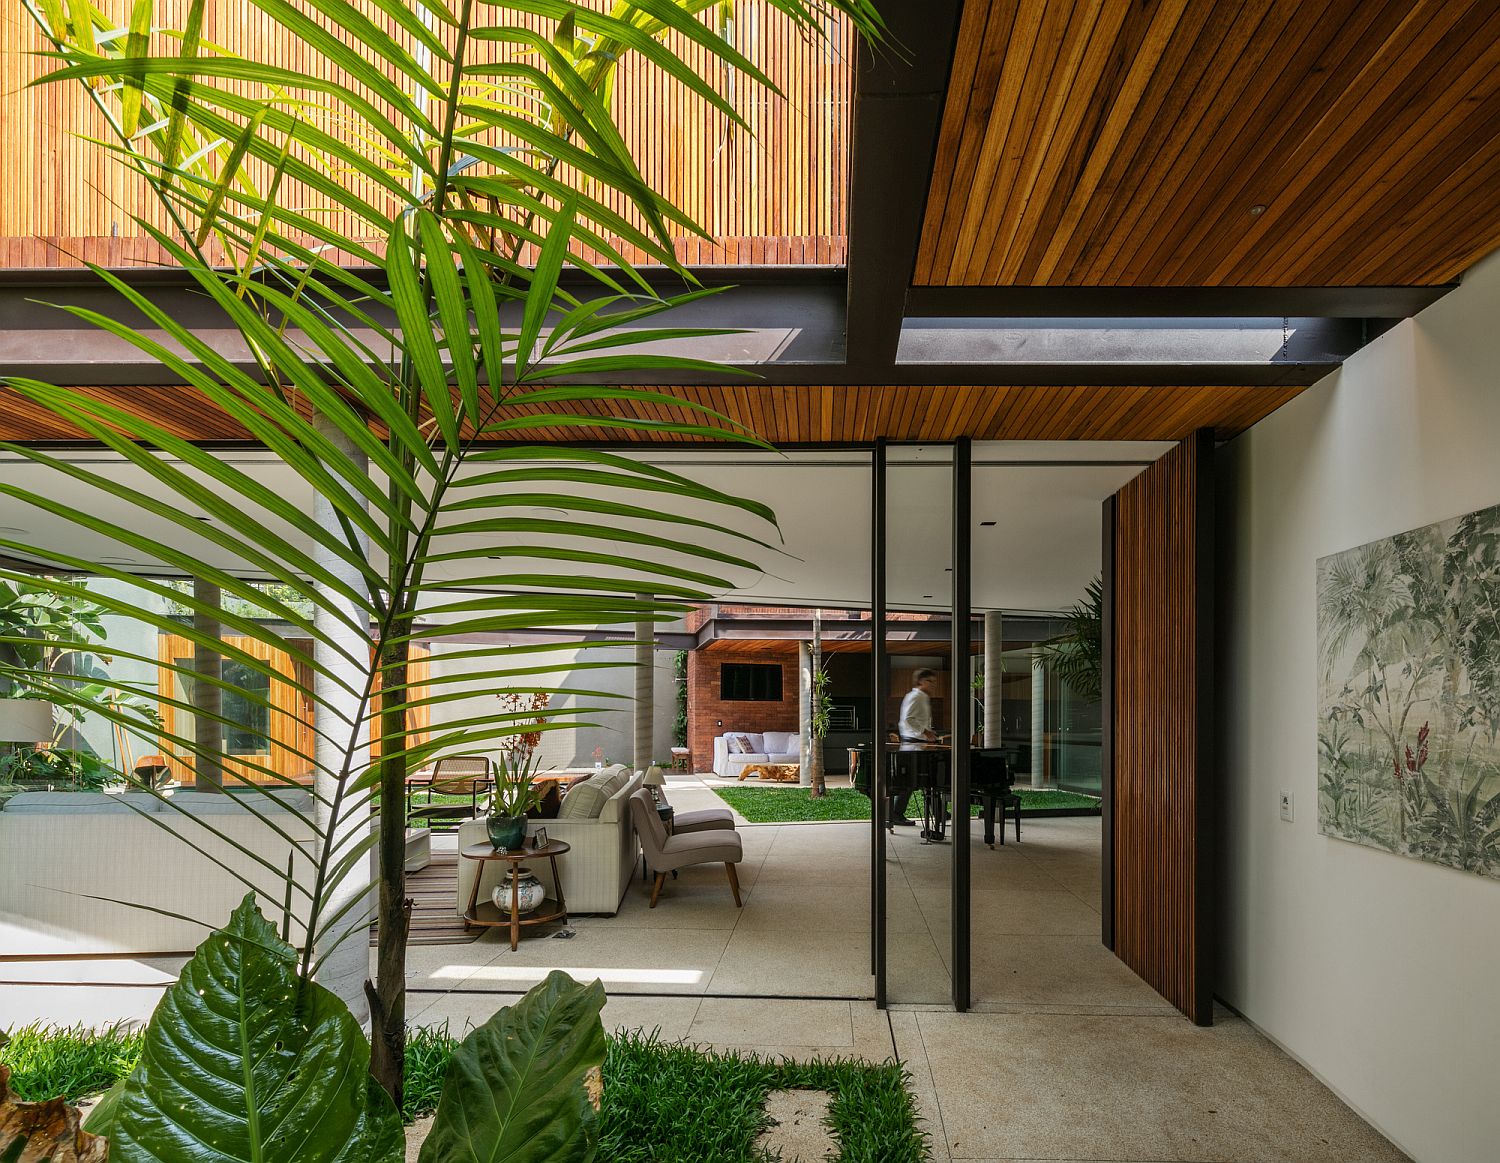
x=994 y=672
x=1038 y=718
x=645 y=654
x=805 y=710
x=344 y=970
x=208 y=668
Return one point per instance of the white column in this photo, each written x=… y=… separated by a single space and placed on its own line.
x=645 y=638
x=994 y=672
x=345 y=970
x=804 y=710
x=1038 y=718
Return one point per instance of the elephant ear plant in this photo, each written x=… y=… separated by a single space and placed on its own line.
x=386 y=228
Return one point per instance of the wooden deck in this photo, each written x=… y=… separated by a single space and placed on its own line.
x=433 y=921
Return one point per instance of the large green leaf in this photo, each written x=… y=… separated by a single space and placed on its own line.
x=515 y=1088
x=245 y=1062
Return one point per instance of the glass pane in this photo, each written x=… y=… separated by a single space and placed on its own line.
x=919 y=866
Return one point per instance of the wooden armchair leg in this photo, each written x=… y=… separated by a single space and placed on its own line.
x=734 y=884
x=661 y=878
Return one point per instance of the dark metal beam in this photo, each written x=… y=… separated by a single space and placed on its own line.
x=1147 y=302
x=960 y=706
x=899 y=91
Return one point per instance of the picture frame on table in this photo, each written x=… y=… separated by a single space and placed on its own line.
x=539 y=839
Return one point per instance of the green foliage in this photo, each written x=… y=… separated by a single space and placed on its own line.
x=788 y=805
x=244 y=1056
x=58 y=766
x=429 y=1049
x=466 y=175
x=661 y=1101
x=679 y=675
x=515 y=1086
x=71 y=1062
x=1077 y=655
x=670 y=1103
x=822 y=717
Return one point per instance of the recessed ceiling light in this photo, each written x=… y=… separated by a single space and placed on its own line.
x=1258 y=208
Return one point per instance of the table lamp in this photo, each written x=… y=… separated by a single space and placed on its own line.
x=654 y=779
x=25 y=721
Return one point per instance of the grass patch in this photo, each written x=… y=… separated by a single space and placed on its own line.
x=669 y=1103
x=787 y=805
x=47 y=1061
x=663 y=1102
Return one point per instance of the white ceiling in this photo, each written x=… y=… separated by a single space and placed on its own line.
x=1044 y=499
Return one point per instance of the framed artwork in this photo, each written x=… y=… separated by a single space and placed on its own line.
x=1409 y=693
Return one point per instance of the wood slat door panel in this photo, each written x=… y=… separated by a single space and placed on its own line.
x=1160 y=635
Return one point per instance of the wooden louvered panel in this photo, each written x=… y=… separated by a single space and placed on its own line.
x=1160 y=724
x=797 y=415
x=1113 y=144
x=777 y=194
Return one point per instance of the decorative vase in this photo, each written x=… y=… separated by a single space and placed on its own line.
x=507 y=833
x=529 y=892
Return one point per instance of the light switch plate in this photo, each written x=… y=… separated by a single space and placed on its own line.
x=1286 y=806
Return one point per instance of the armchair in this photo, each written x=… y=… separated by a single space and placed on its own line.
x=666 y=853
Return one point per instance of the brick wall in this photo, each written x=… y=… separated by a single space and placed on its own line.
x=706 y=710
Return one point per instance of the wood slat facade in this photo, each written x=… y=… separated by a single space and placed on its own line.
x=1196 y=143
x=1159 y=736
x=774 y=195
x=797 y=415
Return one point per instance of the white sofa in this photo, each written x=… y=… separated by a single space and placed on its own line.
x=595 y=873
x=766 y=747
x=61 y=850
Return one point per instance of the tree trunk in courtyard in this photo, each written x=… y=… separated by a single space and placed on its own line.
x=819 y=716
x=208 y=669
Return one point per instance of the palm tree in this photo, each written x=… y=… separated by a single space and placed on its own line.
x=387 y=231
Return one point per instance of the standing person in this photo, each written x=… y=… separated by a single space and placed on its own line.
x=915 y=730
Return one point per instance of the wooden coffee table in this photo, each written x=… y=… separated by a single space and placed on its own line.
x=774 y=772
x=487 y=913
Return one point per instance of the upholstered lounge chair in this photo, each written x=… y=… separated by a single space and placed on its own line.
x=666 y=853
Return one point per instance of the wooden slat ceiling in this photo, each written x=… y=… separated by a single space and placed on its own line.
x=773 y=195
x=1114 y=144
x=799 y=415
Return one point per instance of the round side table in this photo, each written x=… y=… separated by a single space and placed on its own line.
x=486 y=913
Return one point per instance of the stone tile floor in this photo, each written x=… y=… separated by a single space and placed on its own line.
x=1066 y=1055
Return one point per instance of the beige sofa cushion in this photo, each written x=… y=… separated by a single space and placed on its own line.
x=585 y=800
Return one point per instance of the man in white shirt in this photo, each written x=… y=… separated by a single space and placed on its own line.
x=915 y=731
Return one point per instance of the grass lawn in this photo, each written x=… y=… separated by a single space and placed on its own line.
x=784 y=805
x=663 y=1102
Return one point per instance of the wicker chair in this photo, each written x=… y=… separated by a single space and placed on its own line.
x=457 y=775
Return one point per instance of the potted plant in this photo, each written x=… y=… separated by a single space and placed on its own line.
x=514 y=796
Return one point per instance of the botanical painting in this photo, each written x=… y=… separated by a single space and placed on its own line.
x=1409 y=693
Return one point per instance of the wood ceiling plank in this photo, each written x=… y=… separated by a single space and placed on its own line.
x=1163 y=154
x=993 y=133
x=977 y=59
x=1122 y=105
x=1449 y=210
x=1025 y=258
x=1349 y=129
x=1419 y=137
x=1291 y=71
x=1061 y=52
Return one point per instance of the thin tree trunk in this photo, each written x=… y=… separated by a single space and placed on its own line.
x=388 y=994
x=819 y=787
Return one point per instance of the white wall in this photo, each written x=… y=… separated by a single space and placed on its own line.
x=1379 y=972
x=574 y=747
